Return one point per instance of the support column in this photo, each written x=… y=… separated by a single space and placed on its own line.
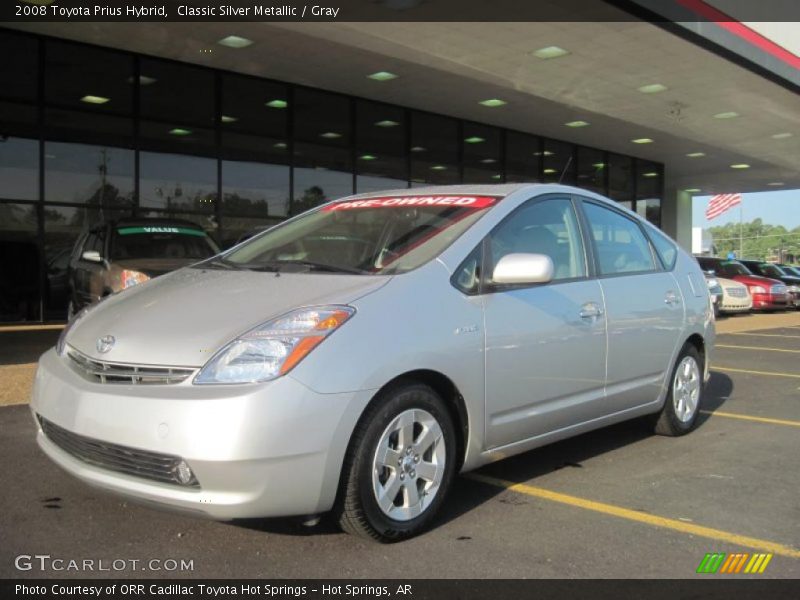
x=676 y=215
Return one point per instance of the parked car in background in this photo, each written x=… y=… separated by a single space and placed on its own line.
x=768 y=294
x=765 y=269
x=714 y=291
x=120 y=254
x=357 y=357
x=736 y=297
x=793 y=270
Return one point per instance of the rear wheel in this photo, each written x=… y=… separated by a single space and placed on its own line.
x=682 y=405
x=399 y=465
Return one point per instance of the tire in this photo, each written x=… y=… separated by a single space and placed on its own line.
x=380 y=463
x=682 y=404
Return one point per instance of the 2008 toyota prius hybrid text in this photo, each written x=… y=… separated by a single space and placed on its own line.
x=357 y=357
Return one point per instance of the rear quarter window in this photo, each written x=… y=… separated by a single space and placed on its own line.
x=665 y=248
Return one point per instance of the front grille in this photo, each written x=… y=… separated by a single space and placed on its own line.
x=736 y=292
x=130 y=461
x=778 y=289
x=107 y=372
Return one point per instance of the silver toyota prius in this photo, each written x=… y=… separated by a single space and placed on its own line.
x=357 y=357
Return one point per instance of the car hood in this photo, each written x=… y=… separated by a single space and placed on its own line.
x=757 y=280
x=730 y=283
x=183 y=318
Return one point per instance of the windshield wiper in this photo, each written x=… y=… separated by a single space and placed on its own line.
x=312 y=266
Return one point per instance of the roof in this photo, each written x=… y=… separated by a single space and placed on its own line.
x=485 y=189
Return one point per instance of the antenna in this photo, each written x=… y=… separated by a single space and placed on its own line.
x=566 y=166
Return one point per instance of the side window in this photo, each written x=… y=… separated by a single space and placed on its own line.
x=665 y=247
x=620 y=243
x=542 y=227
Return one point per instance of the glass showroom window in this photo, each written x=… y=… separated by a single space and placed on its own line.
x=434 y=150
x=18 y=86
x=592 y=167
x=322 y=153
x=177 y=183
x=19 y=169
x=620 y=179
x=19 y=263
x=523 y=158
x=558 y=162
x=649 y=187
x=176 y=94
x=381 y=147
x=255 y=155
x=85 y=174
x=480 y=149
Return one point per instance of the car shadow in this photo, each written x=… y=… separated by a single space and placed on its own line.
x=467 y=494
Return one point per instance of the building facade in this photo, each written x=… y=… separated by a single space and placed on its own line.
x=89 y=133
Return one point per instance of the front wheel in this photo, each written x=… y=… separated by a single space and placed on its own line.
x=399 y=465
x=682 y=405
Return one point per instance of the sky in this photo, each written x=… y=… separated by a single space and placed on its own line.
x=775 y=208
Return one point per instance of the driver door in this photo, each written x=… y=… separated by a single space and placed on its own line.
x=545 y=343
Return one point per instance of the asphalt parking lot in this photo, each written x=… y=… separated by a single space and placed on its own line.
x=615 y=503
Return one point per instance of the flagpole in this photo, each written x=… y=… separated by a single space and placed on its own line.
x=741 y=252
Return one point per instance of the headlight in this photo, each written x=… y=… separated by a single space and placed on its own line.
x=61 y=344
x=757 y=289
x=793 y=288
x=274 y=348
x=132 y=278
x=712 y=283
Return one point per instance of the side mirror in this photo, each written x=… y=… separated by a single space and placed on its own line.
x=92 y=256
x=523 y=268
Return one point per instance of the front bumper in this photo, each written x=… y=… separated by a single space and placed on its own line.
x=257 y=450
x=770 y=301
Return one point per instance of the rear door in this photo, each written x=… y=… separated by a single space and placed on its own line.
x=644 y=307
x=545 y=343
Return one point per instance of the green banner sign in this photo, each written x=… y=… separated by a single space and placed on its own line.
x=160 y=229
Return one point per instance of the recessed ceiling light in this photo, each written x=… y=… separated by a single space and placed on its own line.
x=418 y=149
x=330 y=135
x=775 y=183
x=227 y=119
x=143 y=80
x=545 y=153
x=277 y=103
x=652 y=88
x=492 y=102
x=497 y=176
x=488 y=161
x=382 y=76
x=180 y=131
x=550 y=171
x=576 y=124
x=95 y=99
x=438 y=168
x=550 y=52
x=279 y=145
x=692 y=190
x=740 y=166
x=650 y=174
x=696 y=154
x=598 y=165
x=235 y=41
x=642 y=141
x=726 y=115
x=387 y=123
x=474 y=139
x=781 y=136
x=367 y=157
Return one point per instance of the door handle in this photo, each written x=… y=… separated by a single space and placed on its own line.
x=671 y=298
x=590 y=311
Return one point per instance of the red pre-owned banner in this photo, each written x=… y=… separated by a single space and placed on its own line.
x=411 y=201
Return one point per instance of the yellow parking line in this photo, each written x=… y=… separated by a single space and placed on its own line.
x=778 y=335
x=771 y=421
x=633 y=515
x=765 y=373
x=760 y=348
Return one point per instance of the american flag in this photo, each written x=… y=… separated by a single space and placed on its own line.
x=720 y=203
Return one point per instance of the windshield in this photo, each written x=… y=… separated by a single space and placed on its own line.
x=731 y=268
x=372 y=236
x=769 y=270
x=161 y=241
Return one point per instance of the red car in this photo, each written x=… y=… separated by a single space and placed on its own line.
x=768 y=294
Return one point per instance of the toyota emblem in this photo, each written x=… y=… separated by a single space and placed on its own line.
x=105 y=343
